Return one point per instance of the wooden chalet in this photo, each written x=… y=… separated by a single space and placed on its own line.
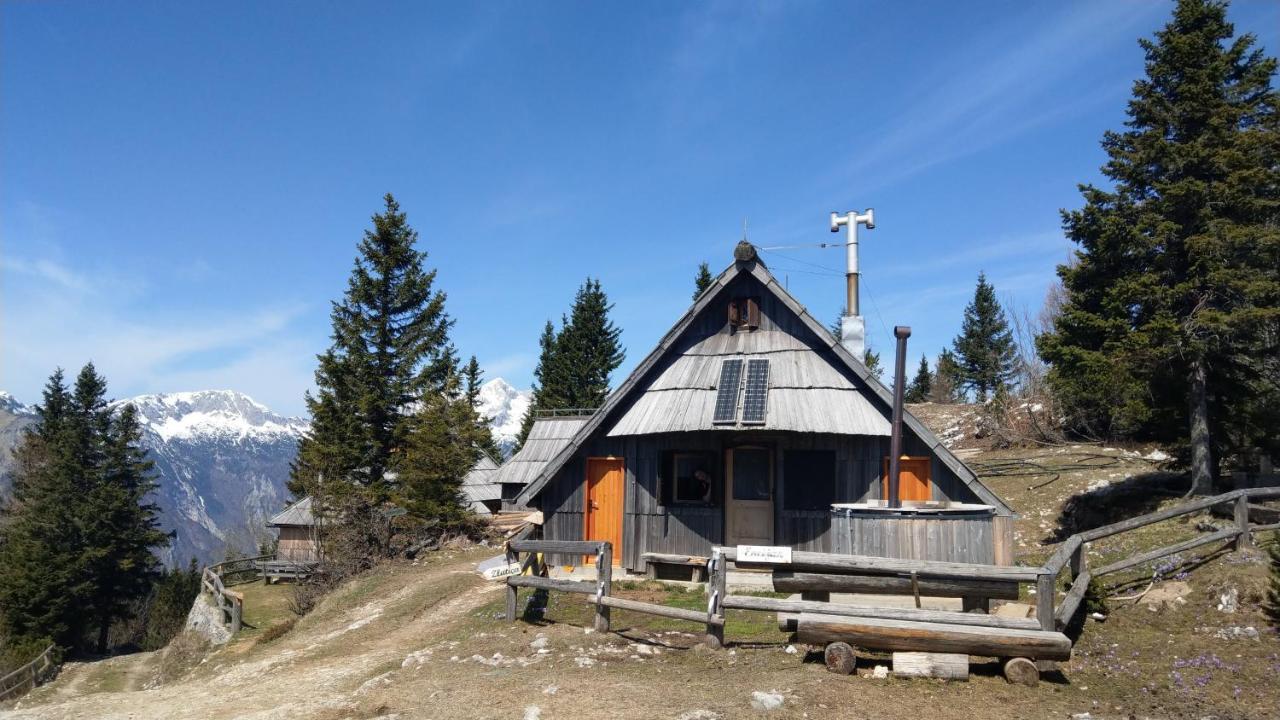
x=750 y=424
x=297 y=527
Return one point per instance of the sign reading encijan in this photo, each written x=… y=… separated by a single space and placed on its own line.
x=770 y=554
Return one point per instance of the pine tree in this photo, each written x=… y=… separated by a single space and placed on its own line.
x=1173 y=307
x=702 y=280
x=922 y=384
x=984 y=349
x=472 y=379
x=444 y=444
x=575 y=363
x=77 y=548
x=944 y=386
x=40 y=540
x=588 y=350
x=390 y=350
x=871 y=359
x=546 y=390
x=122 y=526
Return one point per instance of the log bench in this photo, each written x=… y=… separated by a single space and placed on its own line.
x=696 y=563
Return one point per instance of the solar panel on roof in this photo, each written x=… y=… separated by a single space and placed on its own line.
x=756 y=399
x=727 y=392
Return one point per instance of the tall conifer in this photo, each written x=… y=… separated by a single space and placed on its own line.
x=984 y=349
x=702 y=280
x=921 y=384
x=1172 y=316
x=390 y=350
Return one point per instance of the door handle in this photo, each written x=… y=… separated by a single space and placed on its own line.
x=594 y=505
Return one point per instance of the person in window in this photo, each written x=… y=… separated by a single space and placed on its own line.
x=704 y=485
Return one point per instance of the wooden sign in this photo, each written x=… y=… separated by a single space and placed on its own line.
x=502 y=571
x=764 y=554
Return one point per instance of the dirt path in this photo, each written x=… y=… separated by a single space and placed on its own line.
x=310 y=672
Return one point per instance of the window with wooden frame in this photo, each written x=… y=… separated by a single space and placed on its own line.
x=744 y=313
x=689 y=478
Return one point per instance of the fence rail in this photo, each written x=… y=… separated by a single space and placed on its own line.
x=1073 y=553
x=216 y=578
x=28 y=676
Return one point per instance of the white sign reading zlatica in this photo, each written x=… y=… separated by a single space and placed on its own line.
x=770 y=554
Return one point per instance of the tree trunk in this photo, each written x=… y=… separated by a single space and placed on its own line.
x=103 y=627
x=1201 y=457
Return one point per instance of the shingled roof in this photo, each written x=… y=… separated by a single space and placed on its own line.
x=297 y=514
x=850 y=408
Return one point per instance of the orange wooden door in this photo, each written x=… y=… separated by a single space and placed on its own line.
x=913 y=479
x=604 y=503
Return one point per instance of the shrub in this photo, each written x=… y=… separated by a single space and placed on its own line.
x=276 y=631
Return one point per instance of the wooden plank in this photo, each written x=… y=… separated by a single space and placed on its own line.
x=904 y=635
x=784 y=581
x=1167 y=550
x=672 y=559
x=1072 y=601
x=810 y=561
x=1144 y=520
x=1062 y=554
x=604 y=583
x=660 y=610
x=766 y=604
x=946 y=666
x=574 y=547
x=541 y=583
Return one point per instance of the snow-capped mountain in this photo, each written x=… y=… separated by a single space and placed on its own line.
x=222 y=461
x=9 y=404
x=505 y=407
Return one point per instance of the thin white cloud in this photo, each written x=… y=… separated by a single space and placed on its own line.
x=53 y=316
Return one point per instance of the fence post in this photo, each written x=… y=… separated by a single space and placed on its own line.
x=1079 y=560
x=604 y=584
x=512 y=556
x=1244 y=541
x=1046 y=587
x=237 y=614
x=716 y=584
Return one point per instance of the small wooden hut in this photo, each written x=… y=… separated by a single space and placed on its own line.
x=296 y=524
x=750 y=424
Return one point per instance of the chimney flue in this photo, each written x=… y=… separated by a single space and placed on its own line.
x=853 y=329
x=901 y=332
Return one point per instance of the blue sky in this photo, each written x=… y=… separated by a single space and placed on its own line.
x=182 y=185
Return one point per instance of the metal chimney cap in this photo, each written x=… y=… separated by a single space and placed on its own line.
x=902 y=331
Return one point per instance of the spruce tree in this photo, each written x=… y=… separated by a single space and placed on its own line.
x=76 y=550
x=444 y=444
x=1272 y=605
x=546 y=390
x=390 y=350
x=1172 y=316
x=702 y=280
x=575 y=363
x=984 y=349
x=122 y=526
x=921 y=384
x=871 y=359
x=588 y=350
x=944 y=386
x=472 y=379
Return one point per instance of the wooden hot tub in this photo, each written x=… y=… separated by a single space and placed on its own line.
x=929 y=530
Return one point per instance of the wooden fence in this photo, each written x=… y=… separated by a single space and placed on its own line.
x=218 y=577
x=28 y=676
x=816 y=575
x=1073 y=553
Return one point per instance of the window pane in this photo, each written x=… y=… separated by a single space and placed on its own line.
x=692 y=478
x=751 y=475
x=810 y=479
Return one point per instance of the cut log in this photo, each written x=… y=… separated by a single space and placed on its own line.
x=905 y=635
x=789 y=613
x=1021 y=671
x=840 y=658
x=787 y=581
x=828 y=562
x=541 y=583
x=947 y=666
x=661 y=610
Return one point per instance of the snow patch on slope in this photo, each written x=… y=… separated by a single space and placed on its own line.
x=212 y=413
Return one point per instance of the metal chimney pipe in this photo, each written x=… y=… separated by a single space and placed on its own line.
x=901 y=332
x=850 y=221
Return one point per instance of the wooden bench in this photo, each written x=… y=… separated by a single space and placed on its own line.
x=697 y=564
